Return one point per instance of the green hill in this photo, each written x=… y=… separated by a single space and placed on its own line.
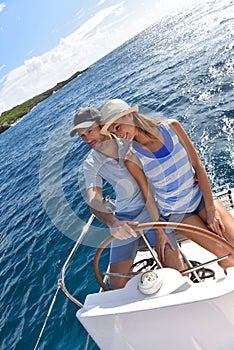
x=14 y=114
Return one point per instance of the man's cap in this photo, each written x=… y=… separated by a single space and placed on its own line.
x=113 y=110
x=85 y=117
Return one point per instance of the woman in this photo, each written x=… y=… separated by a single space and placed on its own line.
x=168 y=158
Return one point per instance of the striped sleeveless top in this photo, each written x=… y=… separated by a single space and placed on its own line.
x=171 y=174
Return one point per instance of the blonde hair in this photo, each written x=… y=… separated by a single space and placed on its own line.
x=145 y=124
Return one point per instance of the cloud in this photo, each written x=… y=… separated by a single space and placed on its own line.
x=101 y=2
x=100 y=34
x=73 y=53
x=94 y=21
x=2 y=6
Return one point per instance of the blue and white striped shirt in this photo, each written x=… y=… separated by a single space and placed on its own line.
x=171 y=174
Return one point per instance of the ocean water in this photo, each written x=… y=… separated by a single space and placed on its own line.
x=183 y=66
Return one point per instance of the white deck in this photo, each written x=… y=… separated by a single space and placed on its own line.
x=202 y=314
x=181 y=315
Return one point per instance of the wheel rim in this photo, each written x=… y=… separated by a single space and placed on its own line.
x=188 y=231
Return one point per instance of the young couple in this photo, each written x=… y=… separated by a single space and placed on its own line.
x=127 y=149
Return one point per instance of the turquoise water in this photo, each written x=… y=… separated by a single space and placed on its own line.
x=183 y=67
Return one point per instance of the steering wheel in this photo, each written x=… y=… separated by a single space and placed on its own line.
x=193 y=233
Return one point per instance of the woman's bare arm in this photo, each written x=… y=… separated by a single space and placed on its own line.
x=201 y=175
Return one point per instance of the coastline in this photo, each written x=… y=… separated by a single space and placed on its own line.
x=15 y=114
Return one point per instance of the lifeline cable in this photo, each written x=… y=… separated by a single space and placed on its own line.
x=47 y=317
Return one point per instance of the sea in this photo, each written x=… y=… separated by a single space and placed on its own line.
x=181 y=67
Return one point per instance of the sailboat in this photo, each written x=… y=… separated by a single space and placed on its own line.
x=162 y=308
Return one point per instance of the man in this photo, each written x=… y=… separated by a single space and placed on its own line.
x=106 y=162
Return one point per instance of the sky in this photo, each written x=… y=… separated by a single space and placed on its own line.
x=43 y=42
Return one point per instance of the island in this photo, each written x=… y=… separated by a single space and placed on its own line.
x=13 y=115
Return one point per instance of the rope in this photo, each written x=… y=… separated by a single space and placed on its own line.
x=47 y=317
x=61 y=284
x=87 y=342
x=202 y=273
